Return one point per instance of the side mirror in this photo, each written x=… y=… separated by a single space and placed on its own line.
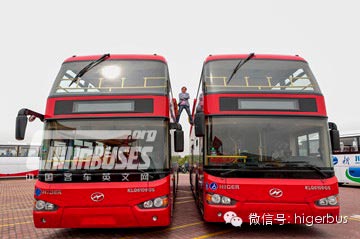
x=334 y=137
x=20 y=127
x=179 y=140
x=22 y=119
x=199 y=124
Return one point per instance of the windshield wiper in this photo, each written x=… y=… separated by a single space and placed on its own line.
x=239 y=65
x=88 y=67
x=305 y=165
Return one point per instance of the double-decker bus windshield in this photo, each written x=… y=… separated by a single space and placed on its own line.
x=259 y=76
x=112 y=77
x=267 y=141
x=105 y=145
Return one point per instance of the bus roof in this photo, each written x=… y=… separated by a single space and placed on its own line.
x=257 y=56
x=117 y=57
x=353 y=133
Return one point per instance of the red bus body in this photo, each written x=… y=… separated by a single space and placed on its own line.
x=251 y=195
x=106 y=204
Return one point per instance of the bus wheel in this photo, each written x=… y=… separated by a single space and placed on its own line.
x=196 y=194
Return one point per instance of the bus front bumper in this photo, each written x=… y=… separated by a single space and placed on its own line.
x=109 y=217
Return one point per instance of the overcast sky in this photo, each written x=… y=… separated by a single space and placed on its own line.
x=36 y=36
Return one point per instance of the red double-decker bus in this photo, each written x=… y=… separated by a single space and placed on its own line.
x=261 y=146
x=105 y=157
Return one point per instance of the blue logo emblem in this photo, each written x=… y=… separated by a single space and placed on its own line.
x=346 y=160
x=37 y=192
x=335 y=160
x=213 y=186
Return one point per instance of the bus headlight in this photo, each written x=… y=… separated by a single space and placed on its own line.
x=218 y=199
x=328 y=201
x=49 y=206
x=159 y=202
x=322 y=202
x=148 y=204
x=225 y=200
x=333 y=200
x=41 y=205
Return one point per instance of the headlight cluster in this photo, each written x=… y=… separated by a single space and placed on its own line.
x=218 y=199
x=328 y=201
x=41 y=205
x=159 y=202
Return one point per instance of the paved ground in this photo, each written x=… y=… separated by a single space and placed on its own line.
x=16 y=199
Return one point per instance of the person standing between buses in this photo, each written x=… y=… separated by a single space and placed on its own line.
x=184 y=104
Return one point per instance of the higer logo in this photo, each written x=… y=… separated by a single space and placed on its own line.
x=97 y=197
x=275 y=192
